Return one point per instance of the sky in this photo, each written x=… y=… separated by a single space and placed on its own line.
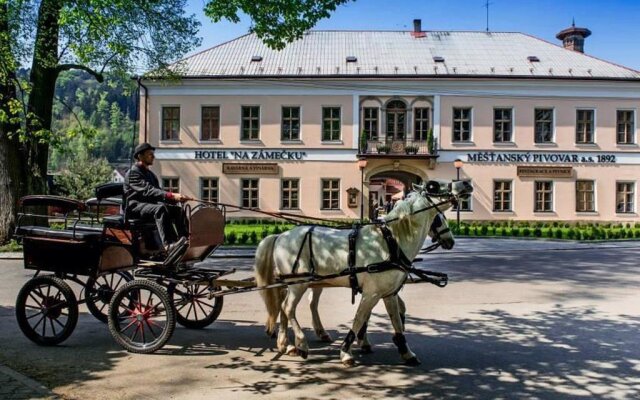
x=615 y=24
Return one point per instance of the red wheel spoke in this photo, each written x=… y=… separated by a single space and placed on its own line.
x=48 y=290
x=154 y=323
x=103 y=306
x=204 y=289
x=117 y=283
x=151 y=329
x=44 y=328
x=189 y=311
x=135 y=333
x=32 y=307
x=182 y=306
x=205 y=304
x=200 y=306
x=142 y=331
x=110 y=284
x=133 y=321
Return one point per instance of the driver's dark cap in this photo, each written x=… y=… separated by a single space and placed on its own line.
x=141 y=148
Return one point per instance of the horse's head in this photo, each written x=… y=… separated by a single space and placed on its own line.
x=446 y=195
x=440 y=232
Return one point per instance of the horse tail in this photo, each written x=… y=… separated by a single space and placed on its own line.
x=264 y=269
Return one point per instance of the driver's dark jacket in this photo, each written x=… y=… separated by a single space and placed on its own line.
x=142 y=186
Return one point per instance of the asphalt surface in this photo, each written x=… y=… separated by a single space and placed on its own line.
x=519 y=319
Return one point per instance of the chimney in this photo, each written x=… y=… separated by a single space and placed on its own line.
x=417 y=29
x=573 y=37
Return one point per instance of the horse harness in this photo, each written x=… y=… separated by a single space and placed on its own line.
x=397 y=260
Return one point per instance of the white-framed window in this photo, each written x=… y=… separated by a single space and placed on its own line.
x=331 y=123
x=210 y=123
x=370 y=122
x=170 y=123
x=543 y=196
x=625 y=195
x=461 y=124
x=585 y=126
x=330 y=194
x=171 y=184
x=250 y=125
x=585 y=196
x=543 y=125
x=290 y=194
x=290 y=126
x=502 y=124
x=502 y=195
x=421 y=123
x=250 y=192
x=625 y=126
x=209 y=189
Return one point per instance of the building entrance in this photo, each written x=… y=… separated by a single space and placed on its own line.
x=388 y=187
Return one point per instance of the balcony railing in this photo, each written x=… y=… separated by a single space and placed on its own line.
x=397 y=147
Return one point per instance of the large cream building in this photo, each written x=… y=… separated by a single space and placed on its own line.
x=544 y=131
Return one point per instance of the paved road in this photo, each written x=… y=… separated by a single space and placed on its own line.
x=535 y=320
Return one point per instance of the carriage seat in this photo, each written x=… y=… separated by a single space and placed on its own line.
x=69 y=234
x=118 y=221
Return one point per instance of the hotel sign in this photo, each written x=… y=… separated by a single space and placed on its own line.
x=544 y=172
x=541 y=157
x=219 y=154
x=250 y=168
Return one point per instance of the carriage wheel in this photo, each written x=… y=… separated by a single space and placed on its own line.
x=99 y=292
x=194 y=309
x=47 y=310
x=141 y=316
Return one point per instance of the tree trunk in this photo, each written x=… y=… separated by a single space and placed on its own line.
x=44 y=73
x=11 y=163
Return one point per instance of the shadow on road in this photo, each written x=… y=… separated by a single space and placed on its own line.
x=565 y=353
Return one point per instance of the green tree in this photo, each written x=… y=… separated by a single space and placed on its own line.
x=81 y=177
x=63 y=35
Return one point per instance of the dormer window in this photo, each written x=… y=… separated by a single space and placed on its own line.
x=438 y=59
x=352 y=59
x=256 y=58
x=533 y=59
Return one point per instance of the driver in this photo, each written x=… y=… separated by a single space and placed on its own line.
x=145 y=199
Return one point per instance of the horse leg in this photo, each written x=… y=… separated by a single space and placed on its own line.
x=393 y=308
x=291 y=302
x=367 y=303
x=283 y=338
x=314 y=300
x=363 y=338
x=403 y=311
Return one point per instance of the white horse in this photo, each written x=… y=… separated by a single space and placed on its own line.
x=439 y=232
x=290 y=253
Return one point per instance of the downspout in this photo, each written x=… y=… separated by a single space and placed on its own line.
x=146 y=95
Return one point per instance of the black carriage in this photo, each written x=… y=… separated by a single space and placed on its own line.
x=120 y=267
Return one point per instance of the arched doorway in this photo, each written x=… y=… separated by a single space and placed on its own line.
x=386 y=187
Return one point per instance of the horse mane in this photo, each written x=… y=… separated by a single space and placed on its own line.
x=403 y=225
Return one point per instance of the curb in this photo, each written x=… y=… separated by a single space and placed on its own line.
x=36 y=387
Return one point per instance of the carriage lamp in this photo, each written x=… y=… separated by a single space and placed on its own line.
x=362 y=164
x=458 y=164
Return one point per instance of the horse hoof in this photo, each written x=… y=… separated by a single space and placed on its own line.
x=349 y=362
x=302 y=353
x=413 y=362
x=366 y=349
x=272 y=335
x=291 y=351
